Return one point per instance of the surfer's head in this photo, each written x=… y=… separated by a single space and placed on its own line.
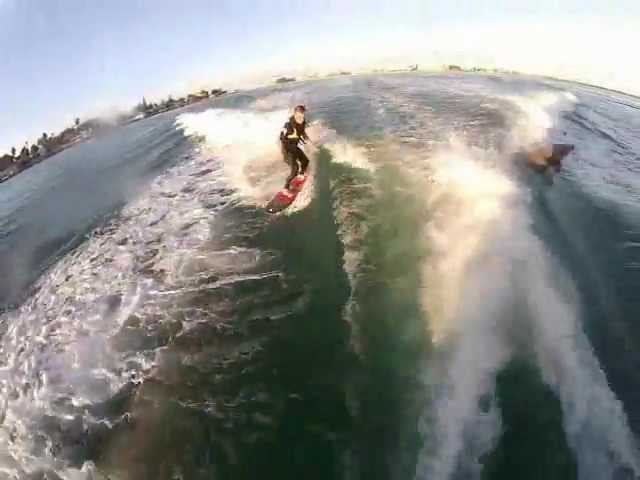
x=298 y=113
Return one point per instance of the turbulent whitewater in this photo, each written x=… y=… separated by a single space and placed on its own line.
x=426 y=309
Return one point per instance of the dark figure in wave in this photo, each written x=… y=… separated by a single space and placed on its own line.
x=548 y=157
x=545 y=159
x=293 y=133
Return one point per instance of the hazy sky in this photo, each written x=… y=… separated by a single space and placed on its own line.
x=62 y=58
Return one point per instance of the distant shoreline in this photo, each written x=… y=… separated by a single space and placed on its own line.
x=455 y=69
x=585 y=84
x=49 y=145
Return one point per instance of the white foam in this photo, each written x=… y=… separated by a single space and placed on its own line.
x=465 y=311
x=247 y=144
x=57 y=354
x=489 y=275
x=539 y=112
x=594 y=419
x=346 y=153
x=466 y=200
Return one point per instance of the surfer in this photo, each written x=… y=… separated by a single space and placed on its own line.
x=548 y=157
x=291 y=135
x=545 y=159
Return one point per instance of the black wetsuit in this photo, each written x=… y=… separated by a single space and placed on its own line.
x=293 y=133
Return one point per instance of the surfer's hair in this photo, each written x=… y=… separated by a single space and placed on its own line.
x=299 y=108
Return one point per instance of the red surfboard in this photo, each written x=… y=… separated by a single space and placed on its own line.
x=285 y=197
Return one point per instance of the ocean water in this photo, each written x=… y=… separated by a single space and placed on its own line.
x=427 y=309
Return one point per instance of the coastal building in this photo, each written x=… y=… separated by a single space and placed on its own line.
x=285 y=79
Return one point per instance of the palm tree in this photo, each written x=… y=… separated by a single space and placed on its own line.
x=24 y=153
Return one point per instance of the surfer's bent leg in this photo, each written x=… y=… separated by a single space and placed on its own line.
x=290 y=159
x=304 y=161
